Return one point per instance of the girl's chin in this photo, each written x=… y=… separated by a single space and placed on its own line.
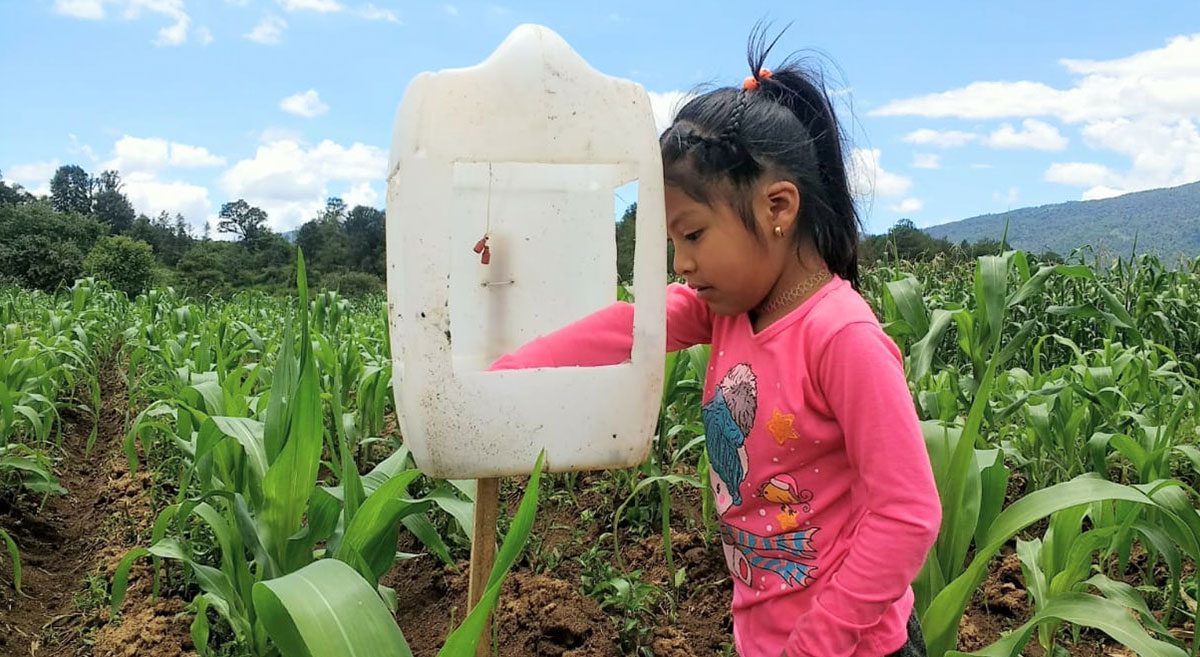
x=721 y=307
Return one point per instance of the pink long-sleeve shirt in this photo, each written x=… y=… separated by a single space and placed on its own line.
x=827 y=500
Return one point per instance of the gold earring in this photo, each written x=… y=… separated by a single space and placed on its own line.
x=778 y=231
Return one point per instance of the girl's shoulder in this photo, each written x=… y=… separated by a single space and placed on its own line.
x=839 y=306
x=836 y=308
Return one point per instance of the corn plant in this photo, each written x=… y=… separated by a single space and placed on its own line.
x=678 y=420
x=326 y=609
x=1057 y=564
x=254 y=472
x=972 y=478
x=49 y=361
x=15 y=555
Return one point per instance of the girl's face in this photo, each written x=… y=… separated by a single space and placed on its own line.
x=730 y=269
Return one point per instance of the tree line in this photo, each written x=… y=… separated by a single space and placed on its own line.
x=86 y=226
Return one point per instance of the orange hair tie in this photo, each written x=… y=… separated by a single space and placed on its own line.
x=751 y=82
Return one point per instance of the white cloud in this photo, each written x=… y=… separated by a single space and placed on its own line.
x=1145 y=106
x=268 y=32
x=321 y=6
x=981 y=166
x=151 y=196
x=978 y=100
x=290 y=180
x=86 y=9
x=362 y=193
x=32 y=173
x=307 y=104
x=204 y=36
x=1162 y=154
x=1099 y=192
x=1080 y=174
x=451 y=9
x=927 y=161
x=139 y=154
x=940 y=138
x=183 y=155
x=373 y=13
x=150 y=154
x=34 y=177
x=665 y=106
x=175 y=34
x=141 y=161
x=908 y=205
x=868 y=178
x=172 y=35
x=1034 y=134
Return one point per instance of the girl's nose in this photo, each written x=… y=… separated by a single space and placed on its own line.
x=682 y=264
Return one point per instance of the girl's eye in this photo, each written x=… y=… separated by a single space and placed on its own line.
x=693 y=236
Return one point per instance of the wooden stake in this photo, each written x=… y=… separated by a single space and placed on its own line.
x=483 y=552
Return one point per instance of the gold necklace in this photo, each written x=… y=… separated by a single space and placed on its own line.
x=811 y=283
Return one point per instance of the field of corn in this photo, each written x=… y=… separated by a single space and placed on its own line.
x=183 y=476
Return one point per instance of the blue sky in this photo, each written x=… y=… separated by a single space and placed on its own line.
x=954 y=109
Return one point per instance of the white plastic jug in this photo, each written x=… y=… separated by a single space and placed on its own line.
x=526 y=148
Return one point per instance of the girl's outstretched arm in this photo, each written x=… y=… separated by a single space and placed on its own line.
x=862 y=376
x=606 y=336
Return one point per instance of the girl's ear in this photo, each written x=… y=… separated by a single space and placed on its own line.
x=781 y=202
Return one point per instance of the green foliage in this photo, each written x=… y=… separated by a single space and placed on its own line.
x=44 y=249
x=254 y=507
x=26 y=467
x=204 y=269
x=324 y=239
x=71 y=190
x=222 y=268
x=43 y=245
x=352 y=283
x=169 y=238
x=13 y=194
x=15 y=556
x=364 y=230
x=626 y=229
x=110 y=205
x=906 y=242
x=342 y=242
x=127 y=264
x=634 y=600
x=244 y=220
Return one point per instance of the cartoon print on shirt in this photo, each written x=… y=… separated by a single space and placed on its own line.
x=781 y=427
x=782 y=490
x=728 y=419
x=790 y=556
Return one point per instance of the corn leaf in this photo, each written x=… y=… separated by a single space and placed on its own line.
x=326 y=609
x=1092 y=611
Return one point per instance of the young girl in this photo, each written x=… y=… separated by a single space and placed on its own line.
x=818 y=468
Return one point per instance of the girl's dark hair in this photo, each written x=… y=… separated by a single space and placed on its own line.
x=724 y=141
